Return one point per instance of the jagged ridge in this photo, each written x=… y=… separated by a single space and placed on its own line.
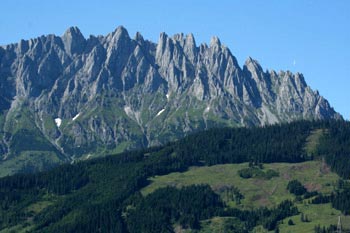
x=110 y=93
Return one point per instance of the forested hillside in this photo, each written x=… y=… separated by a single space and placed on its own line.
x=103 y=195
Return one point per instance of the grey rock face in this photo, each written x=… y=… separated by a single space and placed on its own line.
x=74 y=42
x=111 y=93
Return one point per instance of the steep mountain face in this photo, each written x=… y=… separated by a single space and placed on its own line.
x=68 y=97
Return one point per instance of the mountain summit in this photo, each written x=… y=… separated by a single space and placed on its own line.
x=68 y=97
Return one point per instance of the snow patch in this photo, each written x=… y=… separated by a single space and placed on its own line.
x=88 y=156
x=58 y=121
x=76 y=116
x=128 y=111
x=167 y=96
x=135 y=115
x=160 y=112
x=207 y=109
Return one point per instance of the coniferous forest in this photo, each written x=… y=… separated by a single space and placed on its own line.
x=103 y=195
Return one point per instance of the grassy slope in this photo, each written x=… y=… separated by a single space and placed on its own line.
x=23 y=161
x=260 y=192
x=312 y=141
x=322 y=215
x=257 y=192
x=29 y=149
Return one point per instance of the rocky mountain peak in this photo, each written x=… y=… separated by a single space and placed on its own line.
x=73 y=32
x=163 y=37
x=179 y=38
x=300 y=80
x=190 y=41
x=117 y=38
x=215 y=42
x=73 y=40
x=121 y=32
x=251 y=61
x=139 y=38
x=252 y=65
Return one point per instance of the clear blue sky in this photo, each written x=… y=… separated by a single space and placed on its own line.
x=308 y=36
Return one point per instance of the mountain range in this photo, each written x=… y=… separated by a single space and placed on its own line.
x=68 y=97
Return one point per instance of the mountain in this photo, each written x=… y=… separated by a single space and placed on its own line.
x=66 y=98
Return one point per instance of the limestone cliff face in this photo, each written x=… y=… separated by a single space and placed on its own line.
x=104 y=94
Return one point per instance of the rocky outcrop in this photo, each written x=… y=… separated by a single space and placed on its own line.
x=112 y=93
